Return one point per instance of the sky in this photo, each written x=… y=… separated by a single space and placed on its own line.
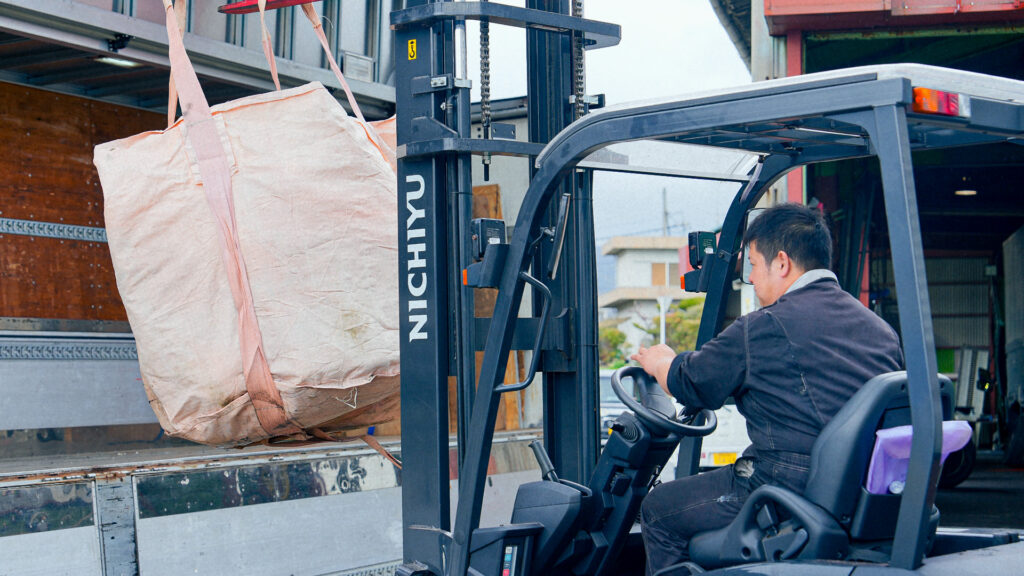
x=668 y=47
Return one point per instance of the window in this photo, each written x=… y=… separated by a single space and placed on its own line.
x=150 y=11
x=372 y=28
x=283 y=32
x=332 y=27
x=664 y=274
x=106 y=4
x=251 y=33
x=207 y=22
x=305 y=45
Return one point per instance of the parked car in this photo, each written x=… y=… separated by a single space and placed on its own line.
x=720 y=448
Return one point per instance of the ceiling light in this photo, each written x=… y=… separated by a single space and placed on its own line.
x=966 y=187
x=120 y=62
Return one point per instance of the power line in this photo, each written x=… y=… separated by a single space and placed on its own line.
x=640 y=232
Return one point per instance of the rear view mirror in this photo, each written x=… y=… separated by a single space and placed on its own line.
x=701 y=245
x=751 y=216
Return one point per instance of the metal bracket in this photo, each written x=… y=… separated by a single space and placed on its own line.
x=427 y=129
x=487 y=273
x=500 y=131
x=413 y=569
x=557 y=338
x=593 y=101
x=430 y=84
x=118 y=42
x=559 y=344
x=52 y=230
x=428 y=147
x=596 y=34
x=28 y=349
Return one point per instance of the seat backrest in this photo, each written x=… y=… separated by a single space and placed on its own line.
x=840 y=456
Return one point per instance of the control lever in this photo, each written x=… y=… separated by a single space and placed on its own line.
x=547 y=469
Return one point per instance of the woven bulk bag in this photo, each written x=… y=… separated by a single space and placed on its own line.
x=254 y=245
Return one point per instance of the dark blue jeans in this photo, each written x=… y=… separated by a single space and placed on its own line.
x=674 y=511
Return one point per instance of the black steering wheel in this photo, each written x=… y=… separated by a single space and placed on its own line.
x=655 y=407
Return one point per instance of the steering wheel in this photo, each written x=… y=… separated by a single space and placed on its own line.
x=655 y=407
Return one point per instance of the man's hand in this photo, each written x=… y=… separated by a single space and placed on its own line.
x=656 y=361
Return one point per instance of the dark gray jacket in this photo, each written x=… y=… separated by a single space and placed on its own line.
x=790 y=366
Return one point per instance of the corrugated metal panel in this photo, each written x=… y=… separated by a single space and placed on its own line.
x=1013 y=270
x=959 y=294
x=938 y=270
x=955 y=269
x=962 y=332
x=881 y=272
x=959 y=299
x=960 y=315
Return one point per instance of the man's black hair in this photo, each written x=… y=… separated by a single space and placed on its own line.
x=797 y=230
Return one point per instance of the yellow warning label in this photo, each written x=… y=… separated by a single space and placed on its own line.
x=412 y=49
x=723 y=458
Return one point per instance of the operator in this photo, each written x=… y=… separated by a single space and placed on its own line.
x=790 y=366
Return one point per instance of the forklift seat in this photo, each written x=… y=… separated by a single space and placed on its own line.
x=836 y=517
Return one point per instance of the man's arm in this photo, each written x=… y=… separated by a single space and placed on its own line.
x=656 y=361
x=705 y=378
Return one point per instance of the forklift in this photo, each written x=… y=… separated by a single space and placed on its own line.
x=580 y=518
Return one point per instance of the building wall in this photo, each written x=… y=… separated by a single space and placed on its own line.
x=69 y=47
x=351 y=27
x=634 y=267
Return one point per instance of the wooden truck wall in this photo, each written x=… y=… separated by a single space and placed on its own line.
x=55 y=263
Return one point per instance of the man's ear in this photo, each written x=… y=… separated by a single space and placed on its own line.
x=785 y=264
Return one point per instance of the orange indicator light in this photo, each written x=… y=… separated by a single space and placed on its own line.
x=928 y=101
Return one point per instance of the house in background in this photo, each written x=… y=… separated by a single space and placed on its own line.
x=647 y=282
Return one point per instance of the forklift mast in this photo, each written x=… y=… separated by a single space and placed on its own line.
x=439 y=331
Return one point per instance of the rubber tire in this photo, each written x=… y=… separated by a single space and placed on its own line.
x=958 y=466
x=1015 y=447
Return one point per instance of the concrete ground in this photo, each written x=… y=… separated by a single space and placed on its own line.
x=992 y=497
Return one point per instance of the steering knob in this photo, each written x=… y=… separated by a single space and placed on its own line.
x=656 y=409
x=628 y=431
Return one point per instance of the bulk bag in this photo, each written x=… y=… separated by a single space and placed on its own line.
x=254 y=245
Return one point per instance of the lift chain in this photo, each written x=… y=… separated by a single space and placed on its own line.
x=485 y=89
x=579 y=71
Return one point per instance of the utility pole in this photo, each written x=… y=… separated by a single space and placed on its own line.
x=664 y=301
x=664 y=212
